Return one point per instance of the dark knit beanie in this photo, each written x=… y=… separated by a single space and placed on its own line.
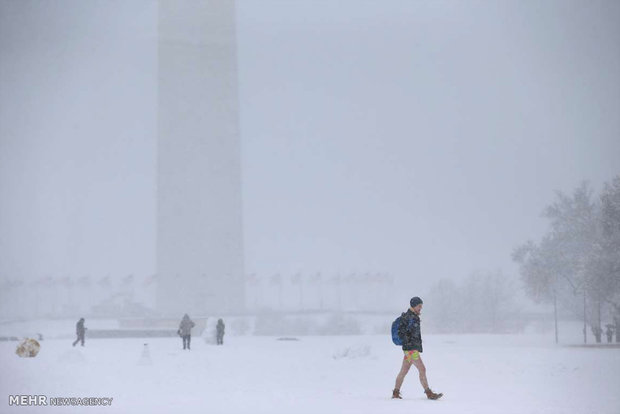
x=415 y=301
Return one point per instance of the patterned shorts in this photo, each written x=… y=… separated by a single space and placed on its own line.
x=411 y=356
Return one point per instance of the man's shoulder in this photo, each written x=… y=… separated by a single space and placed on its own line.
x=408 y=314
x=408 y=319
x=411 y=319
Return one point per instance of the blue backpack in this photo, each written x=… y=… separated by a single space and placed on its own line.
x=395 y=325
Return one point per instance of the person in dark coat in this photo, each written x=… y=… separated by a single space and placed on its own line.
x=185 y=330
x=411 y=337
x=609 y=332
x=80 y=330
x=220 y=328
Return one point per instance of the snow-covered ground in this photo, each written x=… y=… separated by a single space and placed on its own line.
x=339 y=374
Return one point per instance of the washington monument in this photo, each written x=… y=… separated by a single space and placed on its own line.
x=199 y=211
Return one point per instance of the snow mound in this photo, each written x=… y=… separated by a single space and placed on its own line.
x=73 y=356
x=353 y=352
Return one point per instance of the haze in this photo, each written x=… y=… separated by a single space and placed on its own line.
x=417 y=139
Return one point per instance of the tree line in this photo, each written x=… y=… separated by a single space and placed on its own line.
x=484 y=302
x=575 y=266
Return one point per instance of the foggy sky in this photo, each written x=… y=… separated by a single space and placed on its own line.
x=418 y=138
x=424 y=138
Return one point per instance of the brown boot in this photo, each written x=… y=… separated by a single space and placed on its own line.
x=431 y=395
x=396 y=394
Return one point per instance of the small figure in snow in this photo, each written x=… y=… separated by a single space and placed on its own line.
x=597 y=331
x=609 y=332
x=411 y=336
x=145 y=358
x=220 y=328
x=185 y=330
x=80 y=330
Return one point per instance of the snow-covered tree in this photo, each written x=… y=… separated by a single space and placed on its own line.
x=609 y=268
x=579 y=255
x=481 y=303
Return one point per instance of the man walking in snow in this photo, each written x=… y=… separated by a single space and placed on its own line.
x=80 y=331
x=411 y=337
x=185 y=330
x=220 y=332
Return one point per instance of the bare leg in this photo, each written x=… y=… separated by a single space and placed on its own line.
x=422 y=370
x=403 y=372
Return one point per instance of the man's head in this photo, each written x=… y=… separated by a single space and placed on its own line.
x=416 y=304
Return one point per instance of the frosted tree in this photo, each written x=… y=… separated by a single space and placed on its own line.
x=487 y=296
x=444 y=297
x=579 y=254
x=608 y=268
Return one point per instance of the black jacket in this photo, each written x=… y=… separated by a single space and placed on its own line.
x=79 y=327
x=409 y=331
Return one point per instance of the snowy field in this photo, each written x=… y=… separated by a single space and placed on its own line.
x=342 y=374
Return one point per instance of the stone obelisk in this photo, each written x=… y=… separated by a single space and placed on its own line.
x=199 y=217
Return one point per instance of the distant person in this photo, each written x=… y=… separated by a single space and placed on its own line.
x=220 y=328
x=80 y=330
x=597 y=331
x=411 y=337
x=609 y=332
x=185 y=330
